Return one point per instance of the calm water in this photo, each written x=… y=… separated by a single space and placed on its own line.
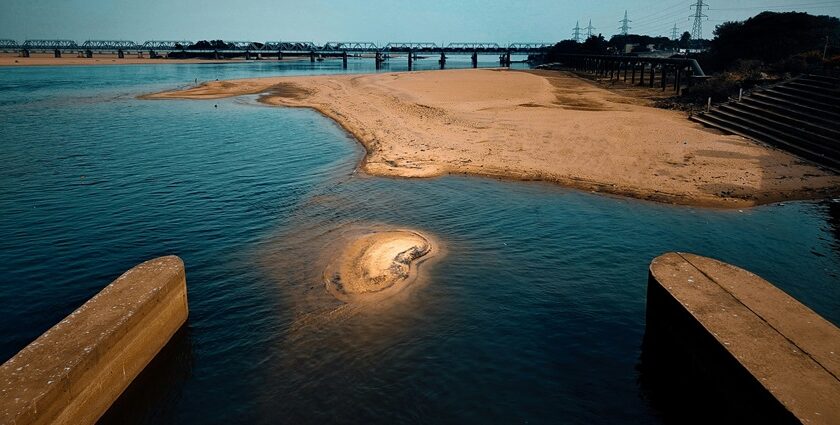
x=535 y=314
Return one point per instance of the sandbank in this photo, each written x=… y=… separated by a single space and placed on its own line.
x=377 y=263
x=538 y=125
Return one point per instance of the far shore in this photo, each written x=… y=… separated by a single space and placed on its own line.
x=538 y=125
x=69 y=59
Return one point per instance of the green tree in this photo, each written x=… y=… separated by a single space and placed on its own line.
x=685 y=40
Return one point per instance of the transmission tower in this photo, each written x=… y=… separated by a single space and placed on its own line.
x=697 y=31
x=576 y=33
x=674 y=32
x=589 y=29
x=625 y=24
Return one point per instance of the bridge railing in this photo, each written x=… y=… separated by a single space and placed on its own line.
x=276 y=46
x=49 y=45
x=9 y=45
x=166 y=45
x=290 y=46
x=110 y=45
x=406 y=46
x=349 y=46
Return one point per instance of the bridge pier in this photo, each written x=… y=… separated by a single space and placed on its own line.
x=57 y=53
x=507 y=59
x=410 y=60
x=344 y=59
x=475 y=60
x=247 y=56
x=442 y=60
x=664 y=76
x=378 y=60
x=88 y=53
x=677 y=79
x=279 y=55
x=312 y=56
x=120 y=54
x=652 y=74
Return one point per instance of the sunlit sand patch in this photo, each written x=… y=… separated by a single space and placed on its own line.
x=377 y=264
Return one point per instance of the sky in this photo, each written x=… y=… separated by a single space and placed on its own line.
x=378 y=21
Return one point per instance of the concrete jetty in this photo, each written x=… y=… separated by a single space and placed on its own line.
x=74 y=371
x=769 y=357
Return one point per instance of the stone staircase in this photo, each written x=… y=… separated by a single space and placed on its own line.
x=801 y=116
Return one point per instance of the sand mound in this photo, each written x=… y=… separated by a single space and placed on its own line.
x=377 y=262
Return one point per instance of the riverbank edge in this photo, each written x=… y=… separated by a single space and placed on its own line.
x=268 y=98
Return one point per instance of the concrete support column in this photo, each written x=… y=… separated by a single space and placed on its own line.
x=57 y=53
x=442 y=60
x=642 y=74
x=279 y=55
x=312 y=56
x=344 y=60
x=378 y=60
x=652 y=74
x=88 y=54
x=475 y=60
x=410 y=60
x=121 y=54
x=677 y=78
x=247 y=56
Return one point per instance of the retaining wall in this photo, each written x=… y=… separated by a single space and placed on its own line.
x=74 y=371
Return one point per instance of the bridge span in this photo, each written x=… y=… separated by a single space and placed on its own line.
x=258 y=50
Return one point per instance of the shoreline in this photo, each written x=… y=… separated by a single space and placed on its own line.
x=733 y=173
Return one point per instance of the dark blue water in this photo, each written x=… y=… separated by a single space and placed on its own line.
x=535 y=313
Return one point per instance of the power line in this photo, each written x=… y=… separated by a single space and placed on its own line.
x=625 y=24
x=679 y=3
x=697 y=30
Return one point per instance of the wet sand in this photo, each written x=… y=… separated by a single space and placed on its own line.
x=538 y=125
x=377 y=264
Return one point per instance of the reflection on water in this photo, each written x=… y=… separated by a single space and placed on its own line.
x=535 y=314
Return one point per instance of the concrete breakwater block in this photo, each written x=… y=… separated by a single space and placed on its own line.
x=74 y=371
x=769 y=358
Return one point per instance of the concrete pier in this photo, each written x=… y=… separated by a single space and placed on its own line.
x=767 y=357
x=74 y=371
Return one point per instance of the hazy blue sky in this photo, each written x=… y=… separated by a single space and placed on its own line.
x=372 y=20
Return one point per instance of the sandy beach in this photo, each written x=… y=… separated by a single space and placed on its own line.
x=538 y=125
